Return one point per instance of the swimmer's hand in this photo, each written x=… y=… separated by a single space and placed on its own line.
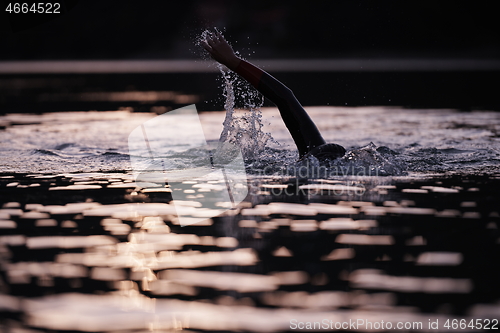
x=220 y=50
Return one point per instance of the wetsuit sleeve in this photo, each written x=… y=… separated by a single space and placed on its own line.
x=249 y=72
x=303 y=130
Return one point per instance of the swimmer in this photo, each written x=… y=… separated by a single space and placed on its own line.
x=304 y=132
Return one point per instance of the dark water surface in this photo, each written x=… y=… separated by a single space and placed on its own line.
x=399 y=234
x=93 y=252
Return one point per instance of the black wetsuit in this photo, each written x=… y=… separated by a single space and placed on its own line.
x=303 y=130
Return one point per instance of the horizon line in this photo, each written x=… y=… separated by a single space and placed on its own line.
x=274 y=65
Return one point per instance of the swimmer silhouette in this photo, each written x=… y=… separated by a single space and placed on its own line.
x=304 y=132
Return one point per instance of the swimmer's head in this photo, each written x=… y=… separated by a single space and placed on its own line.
x=328 y=151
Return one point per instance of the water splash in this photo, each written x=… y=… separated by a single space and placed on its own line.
x=370 y=160
x=244 y=130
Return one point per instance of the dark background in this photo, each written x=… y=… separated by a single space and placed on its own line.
x=93 y=29
x=135 y=30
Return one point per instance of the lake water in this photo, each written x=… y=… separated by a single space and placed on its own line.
x=414 y=141
x=401 y=234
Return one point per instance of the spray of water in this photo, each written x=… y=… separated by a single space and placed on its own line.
x=245 y=131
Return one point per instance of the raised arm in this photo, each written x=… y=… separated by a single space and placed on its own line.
x=303 y=130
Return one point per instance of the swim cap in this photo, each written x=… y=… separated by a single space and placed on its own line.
x=328 y=151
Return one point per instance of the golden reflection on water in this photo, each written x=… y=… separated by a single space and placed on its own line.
x=210 y=276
